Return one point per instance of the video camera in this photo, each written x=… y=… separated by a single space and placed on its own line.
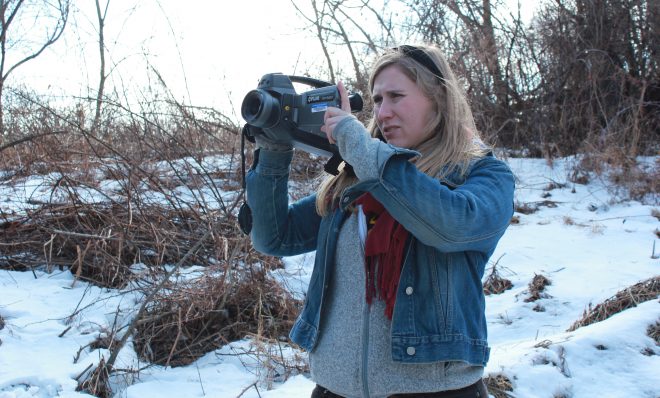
x=275 y=110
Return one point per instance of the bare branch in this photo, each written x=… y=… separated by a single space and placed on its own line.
x=54 y=36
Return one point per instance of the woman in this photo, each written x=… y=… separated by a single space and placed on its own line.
x=395 y=304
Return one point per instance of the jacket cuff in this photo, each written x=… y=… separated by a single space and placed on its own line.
x=273 y=162
x=366 y=154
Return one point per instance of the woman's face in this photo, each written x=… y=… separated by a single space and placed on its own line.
x=401 y=109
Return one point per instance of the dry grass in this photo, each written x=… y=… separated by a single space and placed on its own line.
x=537 y=288
x=525 y=208
x=656 y=213
x=495 y=283
x=628 y=178
x=533 y=207
x=100 y=243
x=499 y=386
x=276 y=362
x=189 y=319
x=95 y=381
x=622 y=300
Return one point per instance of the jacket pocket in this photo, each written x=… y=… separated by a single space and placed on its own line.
x=440 y=267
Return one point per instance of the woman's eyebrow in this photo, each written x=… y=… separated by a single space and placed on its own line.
x=388 y=92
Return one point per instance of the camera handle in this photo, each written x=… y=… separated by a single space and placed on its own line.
x=332 y=165
x=316 y=83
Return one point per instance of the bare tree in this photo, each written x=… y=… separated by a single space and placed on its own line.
x=356 y=27
x=318 y=21
x=15 y=48
x=101 y=14
x=600 y=75
x=478 y=18
x=481 y=38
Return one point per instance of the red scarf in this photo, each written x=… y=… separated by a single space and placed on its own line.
x=383 y=251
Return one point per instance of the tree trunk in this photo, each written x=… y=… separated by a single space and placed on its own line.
x=492 y=59
x=102 y=76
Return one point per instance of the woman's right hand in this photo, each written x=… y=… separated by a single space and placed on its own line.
x=334 y=115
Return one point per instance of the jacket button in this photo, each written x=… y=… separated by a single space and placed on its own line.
x=409 y=290
x=410 y=351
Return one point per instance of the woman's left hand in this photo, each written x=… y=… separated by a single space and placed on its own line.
x=335 y=115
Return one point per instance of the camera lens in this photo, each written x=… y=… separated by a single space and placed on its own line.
x=260 y=109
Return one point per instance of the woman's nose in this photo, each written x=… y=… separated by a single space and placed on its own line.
x=384 y=112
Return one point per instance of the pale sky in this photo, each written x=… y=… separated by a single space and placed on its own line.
x=209 y=52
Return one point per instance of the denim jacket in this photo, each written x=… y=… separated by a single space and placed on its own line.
x=454 y=223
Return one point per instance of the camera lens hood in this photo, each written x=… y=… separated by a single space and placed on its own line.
x=260 y=109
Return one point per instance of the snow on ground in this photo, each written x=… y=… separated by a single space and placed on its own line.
x=584 y=239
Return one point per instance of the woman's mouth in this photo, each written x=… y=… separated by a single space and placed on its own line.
x=389 y=129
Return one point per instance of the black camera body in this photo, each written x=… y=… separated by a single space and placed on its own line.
x=276 y=110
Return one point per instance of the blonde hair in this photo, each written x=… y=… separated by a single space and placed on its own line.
x=454 y=140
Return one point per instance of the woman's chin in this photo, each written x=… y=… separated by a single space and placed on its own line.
x=393 y=141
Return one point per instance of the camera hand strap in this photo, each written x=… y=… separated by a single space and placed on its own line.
x=244 y=213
